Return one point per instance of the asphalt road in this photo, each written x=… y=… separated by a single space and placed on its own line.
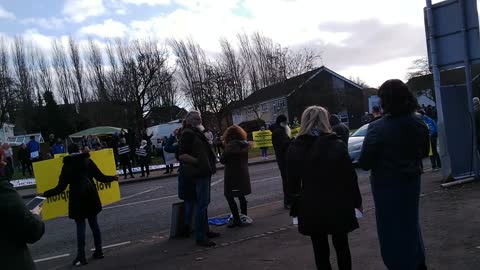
x=144 y=212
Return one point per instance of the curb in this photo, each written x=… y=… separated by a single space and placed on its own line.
x=159 y=177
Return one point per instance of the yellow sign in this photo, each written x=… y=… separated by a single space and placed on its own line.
x=47 y=173
x=294 y=132
x=262 y=138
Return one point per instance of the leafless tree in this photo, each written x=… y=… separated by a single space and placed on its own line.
x=62 y=72
x=191 y=62
x=145 y=75
x=232 y=68
x=96 y=72
x=80 y=92
x=359 y=81
x=42 y=74
x=419 y=67
x=8 y=93
x=301 y=61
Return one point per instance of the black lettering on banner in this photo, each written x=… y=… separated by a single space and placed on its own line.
x=102 y=186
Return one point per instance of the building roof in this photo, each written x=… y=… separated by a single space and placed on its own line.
x=449 y=77
x=286 y=87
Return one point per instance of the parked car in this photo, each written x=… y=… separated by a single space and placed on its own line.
x=355 y=143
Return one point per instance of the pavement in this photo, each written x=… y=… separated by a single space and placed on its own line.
x=449 y=217
x=31 y=192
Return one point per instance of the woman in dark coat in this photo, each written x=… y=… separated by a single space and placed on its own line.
x=84 y=202
x=323 y=186
x=237 y=178
x=393 y=150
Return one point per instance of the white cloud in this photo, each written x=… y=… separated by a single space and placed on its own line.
x=4 y=14
x=47 y=23
x=108 y=29
x=37 y=39
x=147 y=2
x=79 y=10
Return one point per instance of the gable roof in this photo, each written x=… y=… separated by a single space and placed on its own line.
x=287 y=87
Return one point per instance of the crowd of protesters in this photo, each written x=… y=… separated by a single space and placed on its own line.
x=319 y=181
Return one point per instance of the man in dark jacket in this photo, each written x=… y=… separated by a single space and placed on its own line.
x=280 y=140
x=199 y=165
x=339 y=128
x=18 y=228
x=24 y=157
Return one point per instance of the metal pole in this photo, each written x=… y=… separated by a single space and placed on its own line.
x=468 y=79
x=445 y=158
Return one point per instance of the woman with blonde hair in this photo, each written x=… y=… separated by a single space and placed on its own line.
x=237 y=177
x=323 y=186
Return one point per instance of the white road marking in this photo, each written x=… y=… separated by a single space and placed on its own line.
x=52 y=258
x=216 y=182
x=140 y=193
x=267 y=179
x=134 y=203
x=115 y=245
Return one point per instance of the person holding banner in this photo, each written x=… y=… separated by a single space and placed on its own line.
x=237 y=177
x=19 y=227
x=124 y=157
x=34 y=149
x=78 y=172
x=264 y=149
x=143 y=154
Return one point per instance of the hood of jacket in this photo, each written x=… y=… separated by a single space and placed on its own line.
x=237 y=146
x=77 y=161
x=334 y=120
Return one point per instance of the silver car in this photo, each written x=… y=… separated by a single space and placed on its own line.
x=355 y=143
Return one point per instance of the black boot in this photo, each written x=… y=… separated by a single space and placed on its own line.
x=79 y=261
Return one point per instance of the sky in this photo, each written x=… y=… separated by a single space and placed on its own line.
x=373 y=40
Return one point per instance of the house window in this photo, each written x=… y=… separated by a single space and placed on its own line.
x=281 y=104
x=250 y=111
x=264 y=107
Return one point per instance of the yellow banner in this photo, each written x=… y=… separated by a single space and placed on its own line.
x=262 y=138
x=47 y=173
x=294 y=132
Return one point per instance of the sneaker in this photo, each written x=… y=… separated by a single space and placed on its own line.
x=79 y=262
x=206 y=243
x=213 y=234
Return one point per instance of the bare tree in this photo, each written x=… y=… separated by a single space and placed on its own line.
x=96 y=72
x=191 y=62
x=359 y=81
x=80 y=93
x=233 y=68
x=42 y=74
x=301 y=61
x=146 y=75
x=419 y=67
x=62 y=72
x=8 y=94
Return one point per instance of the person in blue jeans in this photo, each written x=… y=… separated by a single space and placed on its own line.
x=198 y=165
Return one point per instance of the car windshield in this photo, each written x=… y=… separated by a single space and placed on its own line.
x=361 y=132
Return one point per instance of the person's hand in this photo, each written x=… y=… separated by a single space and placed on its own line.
x=37 y=210
x=360 y=208
x=115 y=178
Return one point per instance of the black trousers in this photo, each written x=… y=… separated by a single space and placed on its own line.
x=283 y=172
x=233 y=206
x=144 y=166
x=26 y=165
x=321 y=249
x=435 y=158
x=97 y=237
x=169 y=168
x=126 y=164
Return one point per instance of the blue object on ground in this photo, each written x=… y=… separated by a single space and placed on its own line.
x=221 y=221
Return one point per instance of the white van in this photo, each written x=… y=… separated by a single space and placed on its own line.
x=162 y=130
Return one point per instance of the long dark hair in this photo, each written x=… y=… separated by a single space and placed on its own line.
x=396 y=98
x=234 y=133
